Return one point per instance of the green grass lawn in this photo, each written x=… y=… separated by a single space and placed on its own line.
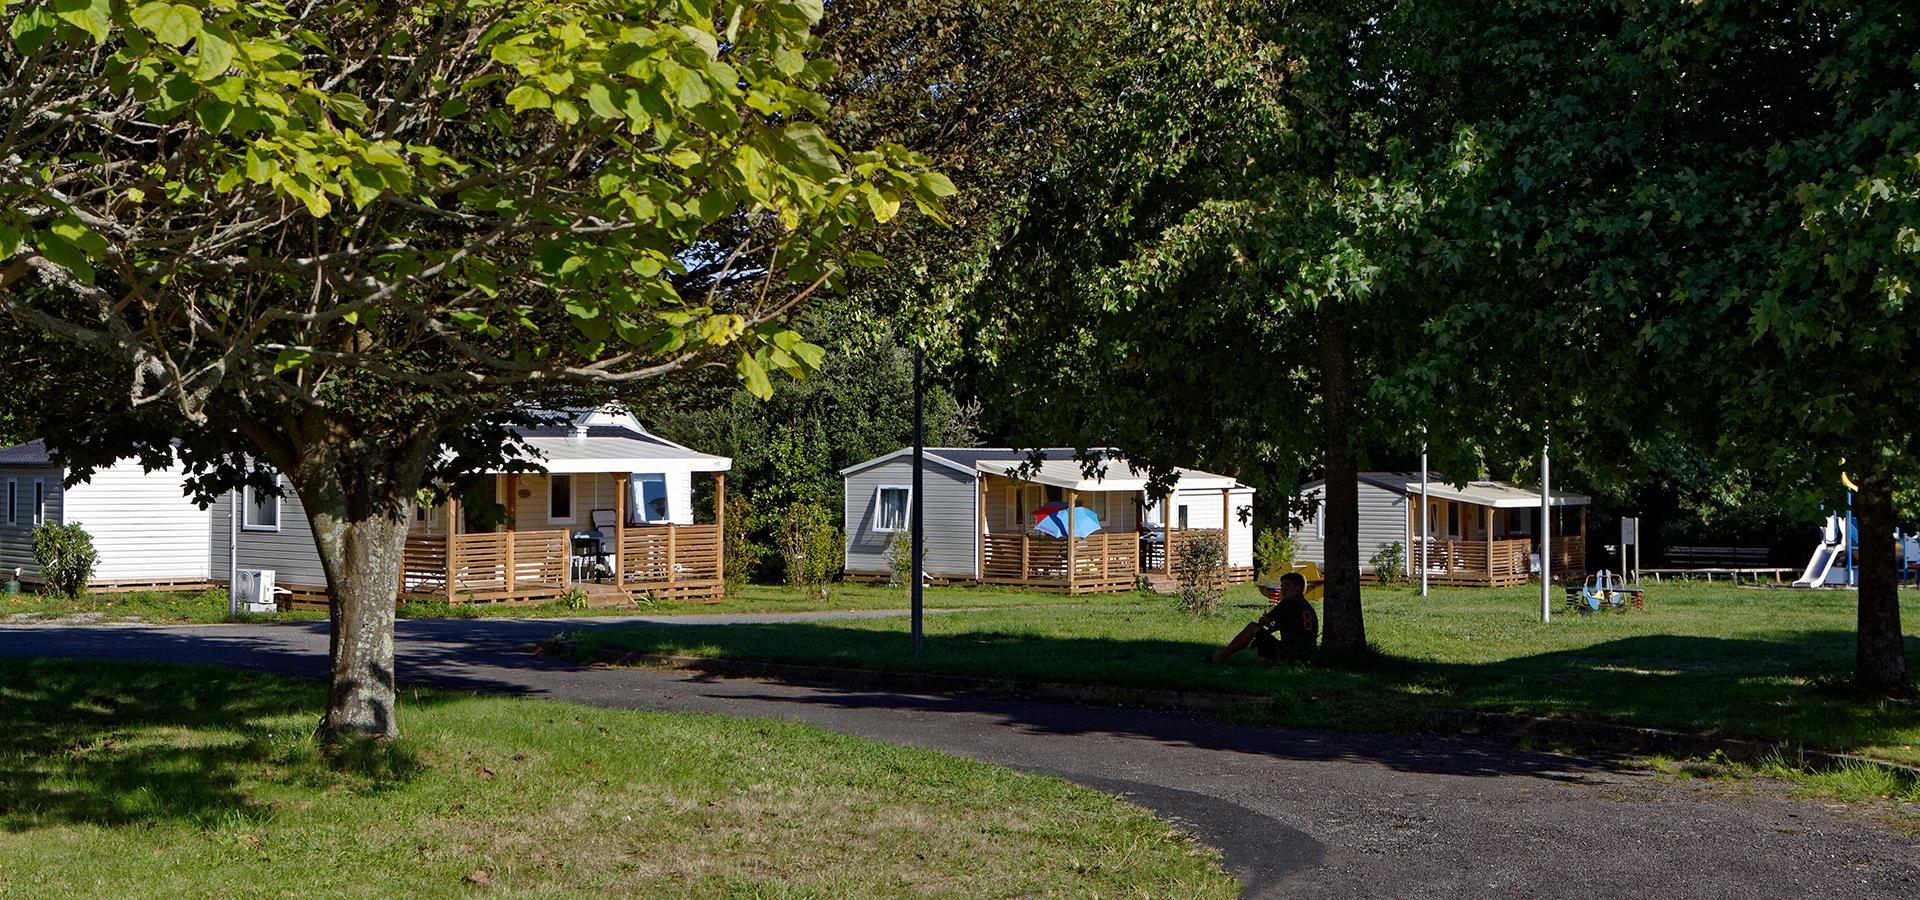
x=124 y=779
x=1737 y=662
x=177 y=608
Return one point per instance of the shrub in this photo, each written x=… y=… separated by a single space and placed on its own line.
x=810 y=546
x=1274 y=550
x=1202 y=573
x=742 y=553
x=1390 y=563
x=900 y=559
x=574 y=599
x=66 y=557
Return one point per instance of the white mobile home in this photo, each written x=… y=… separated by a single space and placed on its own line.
x=145 y=529
x=979 y=506
x=1481 y=534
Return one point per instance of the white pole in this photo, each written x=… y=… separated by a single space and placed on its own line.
x=1546 y=536
x=1422 y=536
x=234 y=499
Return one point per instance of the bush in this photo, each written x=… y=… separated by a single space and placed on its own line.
x=1202 y=572
x=66 y=557
x=1390 y=563
x=810 y=546
x=1273 y=551
x=900 y=559
x=741 y=552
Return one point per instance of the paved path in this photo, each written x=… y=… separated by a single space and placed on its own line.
x=1296 y=813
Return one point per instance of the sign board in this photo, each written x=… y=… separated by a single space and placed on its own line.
x=1629 y=531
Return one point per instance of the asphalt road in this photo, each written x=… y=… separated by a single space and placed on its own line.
x=1295 y=813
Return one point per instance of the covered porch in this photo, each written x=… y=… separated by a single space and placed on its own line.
x=1486 y=534
x=1132 y=542
x=616 y=555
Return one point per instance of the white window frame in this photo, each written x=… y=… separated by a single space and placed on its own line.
x=247 y=495
x=573 y=499
x=39 y=502
x=1320 y=518
x=1183 y=517
x=13 y=501
x=879 y=507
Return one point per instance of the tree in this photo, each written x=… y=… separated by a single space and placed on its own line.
x=345 y=240
x=1218 y=274
x=1719 y=197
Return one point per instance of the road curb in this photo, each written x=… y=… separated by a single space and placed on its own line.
x=1572 y=732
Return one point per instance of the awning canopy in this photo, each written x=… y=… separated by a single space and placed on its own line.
x=1497 y=494
x=1110 y=475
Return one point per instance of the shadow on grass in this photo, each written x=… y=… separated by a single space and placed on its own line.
x=117 y=744
x=1768 y=689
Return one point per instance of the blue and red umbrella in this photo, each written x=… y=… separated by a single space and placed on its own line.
x=1051 y=520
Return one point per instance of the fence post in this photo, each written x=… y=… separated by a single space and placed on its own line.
x=673 y=549
x=513 y=566
x=453 y=529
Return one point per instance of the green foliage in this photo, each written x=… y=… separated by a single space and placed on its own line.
x=574 y=599
x=811 y=547
x=1273 y=550
x=1202 y=574
x=900 y=559
x=742 y=553
x=1389 y=563
x=66 y=557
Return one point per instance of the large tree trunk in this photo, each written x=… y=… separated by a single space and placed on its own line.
x=356 y=494
x=1346 y=630
x=1880 y=659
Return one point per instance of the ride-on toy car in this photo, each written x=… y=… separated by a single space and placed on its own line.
x=1605 y=590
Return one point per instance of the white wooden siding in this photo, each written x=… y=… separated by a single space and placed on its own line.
x=16 y=540
x=1383 y=522
x=949 y=505
x=143 y=524
x=1203 y=511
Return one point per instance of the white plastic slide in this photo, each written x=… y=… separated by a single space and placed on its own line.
x=1833 y=546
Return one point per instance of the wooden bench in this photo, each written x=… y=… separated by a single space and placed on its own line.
x=1717 y=557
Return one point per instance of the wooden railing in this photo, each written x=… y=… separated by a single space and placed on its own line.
x=1101 y=561
x=672 y=561
x=487 y=568
x=1496 y=563
x=1153 y=556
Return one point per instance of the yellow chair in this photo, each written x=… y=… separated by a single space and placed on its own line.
x=1316 y=584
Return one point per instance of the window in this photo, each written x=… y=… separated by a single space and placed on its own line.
x=891 y=506
x=13 y=501
x=39 y=501
x=1320 y=519
x=647 y=499
x=560 y=498
x=262 y=510
x=1183 y=517
x=1453 y=519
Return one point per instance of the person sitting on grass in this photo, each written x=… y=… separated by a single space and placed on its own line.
x=1293 y=617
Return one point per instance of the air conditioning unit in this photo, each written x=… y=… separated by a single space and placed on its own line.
x=253 y=588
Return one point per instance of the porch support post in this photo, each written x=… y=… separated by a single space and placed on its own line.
x=720 y=527
x=1073 y=503
x=453 y=528
x=513 y=501
x=1166 y=534
x=511 y=573
x=980 y=541
x=1489 y=517
x=619 y=528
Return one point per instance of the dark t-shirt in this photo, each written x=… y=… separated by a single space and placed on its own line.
x=1298 y=624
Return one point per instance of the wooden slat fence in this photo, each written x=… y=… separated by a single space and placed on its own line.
x=679 y=562
x=1496 y=563
x=502 y=567
x=1100 y=562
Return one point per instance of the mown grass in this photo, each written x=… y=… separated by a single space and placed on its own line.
x=120 y=779
x=181 y=607
x=1713 y=659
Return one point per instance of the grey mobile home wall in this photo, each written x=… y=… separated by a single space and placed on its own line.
x=952 y=520
x=1383 y=522
x=16 y=540
x=289 y=552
